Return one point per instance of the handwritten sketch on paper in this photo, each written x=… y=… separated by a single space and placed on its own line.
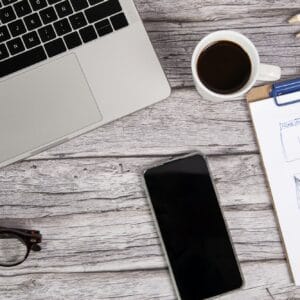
x=290 y=139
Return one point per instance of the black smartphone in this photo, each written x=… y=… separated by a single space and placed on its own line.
x=190 y=222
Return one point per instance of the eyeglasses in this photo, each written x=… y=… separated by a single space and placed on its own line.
x=16 y=244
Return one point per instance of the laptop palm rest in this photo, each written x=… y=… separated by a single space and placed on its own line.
x=43 y=106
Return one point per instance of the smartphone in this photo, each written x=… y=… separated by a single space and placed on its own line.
x=190 y=223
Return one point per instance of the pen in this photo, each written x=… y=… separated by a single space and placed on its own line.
x=295 y=19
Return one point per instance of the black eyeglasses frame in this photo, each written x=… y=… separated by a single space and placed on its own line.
x=30 y=238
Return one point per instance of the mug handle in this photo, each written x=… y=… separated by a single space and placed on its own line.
x=269 y=72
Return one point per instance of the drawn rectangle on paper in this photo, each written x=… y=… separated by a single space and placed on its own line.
x=290 y=139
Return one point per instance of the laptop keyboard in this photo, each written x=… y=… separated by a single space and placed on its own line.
x=32 y=31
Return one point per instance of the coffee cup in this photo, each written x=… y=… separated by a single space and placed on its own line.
x=226 y=65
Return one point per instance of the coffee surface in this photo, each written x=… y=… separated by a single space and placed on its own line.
x=224 y=67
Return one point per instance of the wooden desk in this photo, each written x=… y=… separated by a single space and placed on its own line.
x=86 y=196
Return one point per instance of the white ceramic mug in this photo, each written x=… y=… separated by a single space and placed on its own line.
x=259 y=71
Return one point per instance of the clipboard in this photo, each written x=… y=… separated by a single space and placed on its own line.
x=275 y=113
x=276 y=91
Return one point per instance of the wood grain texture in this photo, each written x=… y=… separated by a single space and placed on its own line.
x=95 y=220
x=87 y=197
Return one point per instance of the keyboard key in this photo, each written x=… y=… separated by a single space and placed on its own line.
x=7 y=2
x=79 y=4
x=33 y=21
x=15 y=46
x=93 y=2
x=4 y=34
x=102 y=10
x=119 y=21
x=22 y=8
x=103 y=27
x=55 y=47
x=22 y=61
x=63 y=9
x=17 y=27
x=72 y=40
x=7 y=14
x=38 y=4
x=47 y=33
x=31 y=39
x=48 y=15
x=62 y=27
x=53 y=1
x=78 y=20
x=88 y=34
x=3 y=52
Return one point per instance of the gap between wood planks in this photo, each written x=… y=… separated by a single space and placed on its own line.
x=133 y=270
x=171 y=155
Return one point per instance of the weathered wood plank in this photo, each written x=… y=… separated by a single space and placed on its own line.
x=94 y=242
x=221 y=12
x=260 y=283
x=239 y=179
x=123 y=285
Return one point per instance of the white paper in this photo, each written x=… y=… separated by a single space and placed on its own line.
x=278 y=133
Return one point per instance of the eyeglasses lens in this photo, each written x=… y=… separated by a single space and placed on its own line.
x=12 y=250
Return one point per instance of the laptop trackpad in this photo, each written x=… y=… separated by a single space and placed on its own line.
x=44 y=105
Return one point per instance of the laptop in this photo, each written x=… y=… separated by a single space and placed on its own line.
x=69 y=66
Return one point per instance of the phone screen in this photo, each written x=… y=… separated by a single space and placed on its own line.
x=192 y=227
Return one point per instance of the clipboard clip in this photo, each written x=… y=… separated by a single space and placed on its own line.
x=284 y=88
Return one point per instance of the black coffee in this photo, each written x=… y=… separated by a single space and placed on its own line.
x=224 y=67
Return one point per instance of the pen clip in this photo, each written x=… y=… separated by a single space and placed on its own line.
x=284 y=88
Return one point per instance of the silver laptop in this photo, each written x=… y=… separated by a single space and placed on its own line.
x=69 y=66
